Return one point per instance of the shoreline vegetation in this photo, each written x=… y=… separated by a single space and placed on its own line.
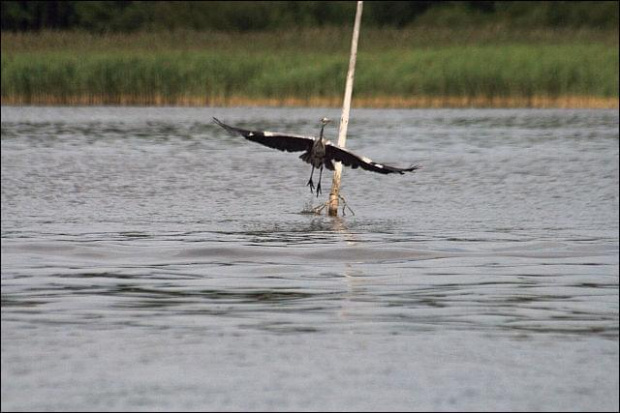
x=378 y=102
x=492 y=66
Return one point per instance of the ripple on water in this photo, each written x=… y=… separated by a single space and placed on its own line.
x=149 y=260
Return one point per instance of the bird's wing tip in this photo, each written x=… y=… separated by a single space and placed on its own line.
x=412 y=168
x=221 y=124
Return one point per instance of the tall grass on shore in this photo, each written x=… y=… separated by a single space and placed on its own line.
x=470 y=74
x=319 y=40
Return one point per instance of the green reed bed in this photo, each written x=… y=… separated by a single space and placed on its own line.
x=320 y=40
x=114 y=74
x=510 y=70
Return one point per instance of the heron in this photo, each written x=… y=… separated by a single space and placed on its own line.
x=318 y=152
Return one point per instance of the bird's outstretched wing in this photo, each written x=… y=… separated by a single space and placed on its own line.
x=281 y=141
x=348 y=158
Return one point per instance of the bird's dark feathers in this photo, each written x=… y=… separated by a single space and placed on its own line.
x=353 y=160
x=297 y=143
x=281 y=141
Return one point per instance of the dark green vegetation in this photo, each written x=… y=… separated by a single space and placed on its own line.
x=131 y=16
x=453 y=54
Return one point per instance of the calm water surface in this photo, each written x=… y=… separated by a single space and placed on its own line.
x=152 y=262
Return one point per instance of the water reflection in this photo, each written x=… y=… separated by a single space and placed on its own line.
x=272 y=275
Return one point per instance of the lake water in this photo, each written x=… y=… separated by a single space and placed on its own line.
x=150 y=261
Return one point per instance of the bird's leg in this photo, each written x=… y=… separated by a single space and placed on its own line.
x=310 y=183
x=318 y=187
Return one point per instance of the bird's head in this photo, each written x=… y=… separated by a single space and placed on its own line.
x=325 y=121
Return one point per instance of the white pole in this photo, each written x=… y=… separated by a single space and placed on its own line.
x=334 y=195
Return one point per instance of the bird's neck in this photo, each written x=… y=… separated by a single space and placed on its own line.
x=322 y=128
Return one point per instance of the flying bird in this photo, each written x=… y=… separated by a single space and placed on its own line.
x=318 y=152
